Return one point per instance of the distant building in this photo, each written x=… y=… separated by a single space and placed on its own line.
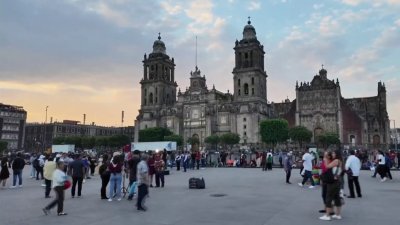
x=39 y=135
x=395 y=138
x=319 y=106
x=12 y=126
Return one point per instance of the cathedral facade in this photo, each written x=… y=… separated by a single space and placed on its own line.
x=200 y=111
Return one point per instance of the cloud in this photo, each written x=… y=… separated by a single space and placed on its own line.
x=330 y=26
x=318 y=6
x=171 y=9
x=375 y=3
x=254 y=5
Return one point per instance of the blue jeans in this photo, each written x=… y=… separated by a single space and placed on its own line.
x=115 y=182
x=17 y=173
x=33 y=171
x=185 y=165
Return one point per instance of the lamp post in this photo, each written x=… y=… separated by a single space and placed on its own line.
x=45 y=128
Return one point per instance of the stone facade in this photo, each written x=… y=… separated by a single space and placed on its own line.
x=199 y=111
x=12 y=126
x=320 y=107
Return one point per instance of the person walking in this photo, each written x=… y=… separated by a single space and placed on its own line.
x=159 y=168
x=307 y=167
x=77 y=170
x=381 y=169
x=288 y=165
x=39 y=167
x=105 y=176
x=352 y=167
x=115 y=168
x=388 y=165
x=152 y=170
x=198 y=158
x=326 y=159
x=143 y=182
x=264 y=161
x=178 y=161
x=333 y=187
x=58 y=178
x=4 y=173
x=48 y=170
x=93 y=164
x=17 y=166
x=269 y=161
x=186 y=159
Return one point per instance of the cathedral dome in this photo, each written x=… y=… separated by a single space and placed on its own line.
x=159 y=46
x=249 y=32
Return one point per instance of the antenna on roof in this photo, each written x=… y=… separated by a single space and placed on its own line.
x=196 y=53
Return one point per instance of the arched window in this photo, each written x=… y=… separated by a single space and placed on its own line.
x=252 y=81
x=239 y=92
x=151 y=98
x=246 y=89
x=145 y=101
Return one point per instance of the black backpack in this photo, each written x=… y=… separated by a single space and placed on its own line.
x=197 y=183
x=35 y=163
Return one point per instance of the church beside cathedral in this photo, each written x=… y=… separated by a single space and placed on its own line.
x=201 y=112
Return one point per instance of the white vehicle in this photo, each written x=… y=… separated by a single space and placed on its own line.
x=154 y=146
x=62 y=148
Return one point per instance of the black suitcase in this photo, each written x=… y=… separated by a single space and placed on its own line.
x=197 y=183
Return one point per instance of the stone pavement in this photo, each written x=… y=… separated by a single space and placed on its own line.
x=253 y=197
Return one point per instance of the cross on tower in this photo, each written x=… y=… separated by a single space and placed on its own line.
x=322 y=66
x=248 y=22
x=159 y=36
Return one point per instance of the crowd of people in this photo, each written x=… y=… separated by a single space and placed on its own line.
x=144 y=170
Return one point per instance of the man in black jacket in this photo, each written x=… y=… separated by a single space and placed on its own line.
x=17 y=166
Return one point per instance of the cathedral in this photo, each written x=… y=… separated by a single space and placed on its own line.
x=200 y=112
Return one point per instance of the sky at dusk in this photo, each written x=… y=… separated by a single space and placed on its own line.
x=85 y=56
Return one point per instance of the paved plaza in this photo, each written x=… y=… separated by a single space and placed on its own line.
x=253 y=197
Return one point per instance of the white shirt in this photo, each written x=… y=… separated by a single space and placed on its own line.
x=354 y=164
x=142 y=173
x=381 y=159
x=307 y=164
x=59 y=178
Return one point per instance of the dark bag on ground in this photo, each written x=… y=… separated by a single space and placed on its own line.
x=196 y=183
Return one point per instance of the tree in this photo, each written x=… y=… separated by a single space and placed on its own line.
x=176 y=138
x=230 y=139
x=58 y=140
x=3 y=147
x=328 y=139
x=212 y=140
x=101 y=142
x=193 y=140
x=88 y=142
x=300 y=134
x=74 y=140
x=154 y=134
x=274 y=131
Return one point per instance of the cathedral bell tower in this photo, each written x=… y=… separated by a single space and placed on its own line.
x=250 y=79
x=158 y=83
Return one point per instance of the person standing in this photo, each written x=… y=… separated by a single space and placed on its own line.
x=198 y=157
x=93 y=164
x=48 y=170
x=269 y=161
x=264 y=161
x=159 y=168
x=59 y=178
x=17 y=165
x=152 y=171
x=178 y=161
x=77 y=170
x=288 y=165
x=39 y=167
x=333 y=188
x=388 y=165
x=4 y=173
x=105 y=176
x=132 y=164
x=186 y=159
x=143 y=182
x=192 y=160
x=307 y=167
x=115 y=168
x=33 y=170
x=353 y=166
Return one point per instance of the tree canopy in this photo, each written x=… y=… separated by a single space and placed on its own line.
x=91 y=142
x=300 y=134
x=212 y=139
x=3 y=146
x=229 y=138
x=274 y=131
x=154 y=134
x=176 y=138
x=328 y=139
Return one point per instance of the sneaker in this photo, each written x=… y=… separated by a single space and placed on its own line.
x=46 y=211
x=300 y=184
x=110 y=199
x=43 y=185
x=337 y=217
x=384 y=179
x=13 y=187
x=311 y=187
x=325 y=217
x=119 y=199
x=20 y=186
